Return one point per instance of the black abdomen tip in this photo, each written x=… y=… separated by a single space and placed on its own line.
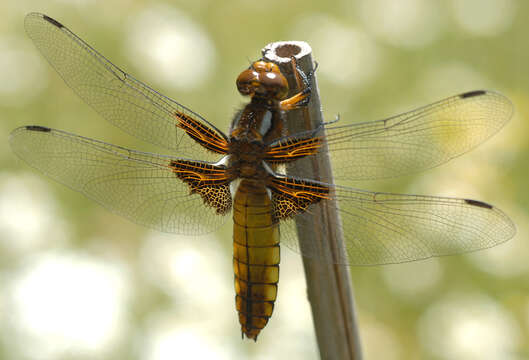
x=472 y=94
x=37 y=128
x=52 y=21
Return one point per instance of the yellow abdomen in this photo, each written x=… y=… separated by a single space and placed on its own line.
x=255 y=256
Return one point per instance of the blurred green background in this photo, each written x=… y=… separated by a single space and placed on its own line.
x=77 y=282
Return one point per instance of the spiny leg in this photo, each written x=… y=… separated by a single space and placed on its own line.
x=303 y=81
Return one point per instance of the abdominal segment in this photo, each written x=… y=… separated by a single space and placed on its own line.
x=255 y=256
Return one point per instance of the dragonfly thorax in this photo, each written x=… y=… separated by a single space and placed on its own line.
x=246 y=158
x=259 y=121
x=252 y=130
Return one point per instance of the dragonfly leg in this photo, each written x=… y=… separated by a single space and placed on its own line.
x=303 y=82
x=336 y=119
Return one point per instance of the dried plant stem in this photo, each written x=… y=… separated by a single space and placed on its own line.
x=329 y=286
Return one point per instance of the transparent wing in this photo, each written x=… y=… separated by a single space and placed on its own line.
x=136 y=185
x=383 y=228
x=117 y=96
x=416 y=140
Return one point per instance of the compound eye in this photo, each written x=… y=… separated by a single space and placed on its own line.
x=276 y=84
x=271 y=75
x=263 y=78
x=260 y=66
x=247 y=81
x=271 y=67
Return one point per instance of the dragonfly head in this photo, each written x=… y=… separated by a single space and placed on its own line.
x=263 y=79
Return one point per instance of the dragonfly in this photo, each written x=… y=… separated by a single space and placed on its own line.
x=208 y=176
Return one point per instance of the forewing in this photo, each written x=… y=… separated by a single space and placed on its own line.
x=416 y=140
x=117 y=96
x=383 y=228
x=140 y=186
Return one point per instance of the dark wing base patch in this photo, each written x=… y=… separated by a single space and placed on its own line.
x=211 y=182
x=292 y=196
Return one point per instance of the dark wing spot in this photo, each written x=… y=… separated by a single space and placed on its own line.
x=37 y=128
x=52 y=21
x=472 y=94
x=478 y=203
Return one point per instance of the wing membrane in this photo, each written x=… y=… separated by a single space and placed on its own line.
x=416 y=140
x=117 y=96
x=139 y=186
x=384 y=228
